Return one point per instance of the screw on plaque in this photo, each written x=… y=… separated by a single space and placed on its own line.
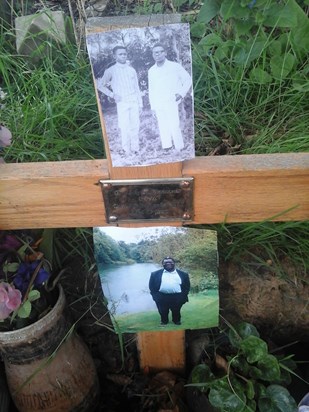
x=107 y=186
x=186 y=216
x=185 y=183
x=113 y=219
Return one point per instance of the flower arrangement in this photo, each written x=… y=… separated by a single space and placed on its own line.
x=24 y=275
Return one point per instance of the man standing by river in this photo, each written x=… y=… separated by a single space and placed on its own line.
x=169 y=288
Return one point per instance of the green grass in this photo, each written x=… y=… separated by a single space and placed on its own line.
x=50 y=107
x=52 y=112
x=202 y=311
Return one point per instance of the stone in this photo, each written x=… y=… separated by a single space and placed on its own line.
x=34 y=30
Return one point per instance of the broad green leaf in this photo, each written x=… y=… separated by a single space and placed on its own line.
x=208 y=11
x=211 y=40
x=201 y=374
x=11 y=267
x=300 y=33
x=240 y=331
x=277 y=399
x=198 y=30
x=249 y=52
x=251 y=406
x=260 y=390
x=250 y=389
x=232 y=8
x=275 y=48
x=243 y=26
x=224 y=50
x=25 y=310
x=281 y=66
x=255 y=373
x=269 y=366
x=280 y=15
x=223 y=398
x=22 y=250
x=253 y=348
x=34 y=294
x=260 y=76
x=240 y=364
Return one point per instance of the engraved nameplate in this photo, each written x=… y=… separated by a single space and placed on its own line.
x=148 y=199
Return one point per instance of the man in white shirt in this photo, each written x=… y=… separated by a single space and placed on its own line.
x=168 y=84
x=169 y=288
x=120 y=82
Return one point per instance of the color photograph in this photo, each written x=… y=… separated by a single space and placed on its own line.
x=158 y=278
x=143 y=79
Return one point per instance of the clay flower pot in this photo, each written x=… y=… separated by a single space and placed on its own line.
x=48 y=367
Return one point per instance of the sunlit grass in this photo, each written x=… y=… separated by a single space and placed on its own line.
x=202 y=311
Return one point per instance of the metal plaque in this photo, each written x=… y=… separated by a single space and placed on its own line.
x=148 y=199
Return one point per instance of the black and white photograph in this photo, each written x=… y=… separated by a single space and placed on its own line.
x=158 y=278
x=143 y=79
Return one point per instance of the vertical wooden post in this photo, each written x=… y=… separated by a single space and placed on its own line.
x=157 y=350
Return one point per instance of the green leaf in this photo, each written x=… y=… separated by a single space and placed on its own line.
x=240 y=331
x=250 y=392
x=201 y=374
x=277 y=399
x=260 y=76
x=269 y=366
x=249 y=52
x=243 y=26
x=300 y=33
x=275 y=48
x=11 y=267
x=25 y=310
x=198 y=30
x=22 y=250
x=34 y=295
x=251 y=406
x=224 y=50
x=208 y=11
x=223 y=398
x=255 y=373
x=280 y=15
x=240 y=364
x=211 y=40
x=232 y=8
x=281 y=66
x=253 y=348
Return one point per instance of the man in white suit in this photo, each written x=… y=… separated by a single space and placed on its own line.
x=168 y=84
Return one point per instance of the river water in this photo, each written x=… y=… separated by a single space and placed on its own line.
x=126 y=287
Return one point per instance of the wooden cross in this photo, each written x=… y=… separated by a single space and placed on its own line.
x=242 y=188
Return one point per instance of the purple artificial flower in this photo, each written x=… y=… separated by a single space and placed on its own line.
x=24 y=274
x=10 y=299
x=8 y=243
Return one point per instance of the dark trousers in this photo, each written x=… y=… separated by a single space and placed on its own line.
x=169 y=302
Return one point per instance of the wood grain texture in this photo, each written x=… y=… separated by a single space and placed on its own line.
x=161 y=350
x=244 y=188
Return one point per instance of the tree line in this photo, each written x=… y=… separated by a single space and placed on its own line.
x=192 y=249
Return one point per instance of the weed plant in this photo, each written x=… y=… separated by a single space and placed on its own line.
x=251 y=88
x=251 y=75
x=250 y=83
x=50 y=106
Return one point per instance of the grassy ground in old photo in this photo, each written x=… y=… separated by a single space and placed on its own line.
x=199 y=313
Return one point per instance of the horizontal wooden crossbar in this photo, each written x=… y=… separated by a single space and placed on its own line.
x=244 y=188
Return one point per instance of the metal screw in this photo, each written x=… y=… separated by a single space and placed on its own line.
x=185 y=183
x=186 y=216
x=113 y=219
x=107 y=186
